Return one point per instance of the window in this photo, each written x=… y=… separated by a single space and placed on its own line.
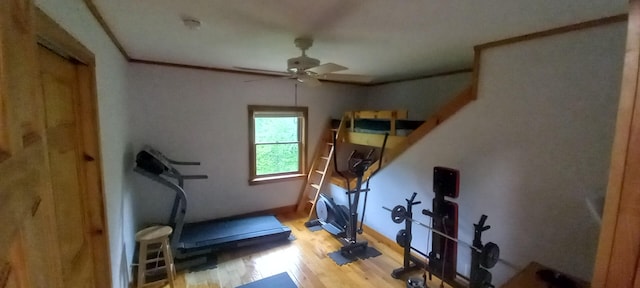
x=277 y=143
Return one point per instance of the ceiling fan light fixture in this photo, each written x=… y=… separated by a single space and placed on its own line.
x=309 y=71
x=299 y=64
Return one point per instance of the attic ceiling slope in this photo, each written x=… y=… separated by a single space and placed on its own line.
x=387 y=40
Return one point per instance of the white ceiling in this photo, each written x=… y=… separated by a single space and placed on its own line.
x=387 y=39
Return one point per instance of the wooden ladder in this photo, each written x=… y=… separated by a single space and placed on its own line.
x=319 y=174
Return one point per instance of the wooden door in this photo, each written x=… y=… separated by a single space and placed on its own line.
x=23 y=169
x=60 y=92
x=618 y=258
x=51 y=202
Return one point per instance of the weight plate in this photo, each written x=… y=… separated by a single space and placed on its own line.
x=402 y=238
x=415 y=283
x=481 y=278
x=490 y=255
x=398 y=214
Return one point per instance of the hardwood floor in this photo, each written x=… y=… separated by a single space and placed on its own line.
x=304 y=259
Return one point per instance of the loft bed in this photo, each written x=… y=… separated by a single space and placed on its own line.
x=380 y=126
x=368 y=127
x=398 y=124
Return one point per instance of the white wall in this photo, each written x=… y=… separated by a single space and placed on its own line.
x=200 y=115
x=111 y=74
x=530 y=149
x=420 y=97
x=534 y=145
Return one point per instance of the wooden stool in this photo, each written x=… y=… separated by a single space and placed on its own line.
x=154 y=248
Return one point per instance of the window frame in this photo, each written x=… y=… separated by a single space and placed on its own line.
x=302 y=152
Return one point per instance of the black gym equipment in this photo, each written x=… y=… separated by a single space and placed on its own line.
x=404 y=237
x=341 y=220
x=483 y=257
x=358 y=165
x=334 y=218
x=442 y=258
x=193 y=243
x=444 y=254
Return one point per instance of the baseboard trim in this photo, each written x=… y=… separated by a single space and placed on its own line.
x=389 y=242
x=284 y=210
x=382 y=239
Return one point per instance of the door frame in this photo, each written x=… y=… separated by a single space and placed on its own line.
x=50 y=35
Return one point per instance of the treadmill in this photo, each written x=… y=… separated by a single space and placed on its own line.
x=193 y=243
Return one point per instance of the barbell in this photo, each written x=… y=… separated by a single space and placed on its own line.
x=490 y=252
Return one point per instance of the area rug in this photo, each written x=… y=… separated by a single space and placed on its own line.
x=281 y=280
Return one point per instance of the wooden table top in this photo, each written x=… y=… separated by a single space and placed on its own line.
x=527 y=278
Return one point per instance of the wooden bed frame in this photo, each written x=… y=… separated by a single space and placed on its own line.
x=396 y=145
x=320 y=171
x=370 y=139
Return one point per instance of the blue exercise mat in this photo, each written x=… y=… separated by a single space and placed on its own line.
x=342 y=259
x=281 y=280
x=314 y=228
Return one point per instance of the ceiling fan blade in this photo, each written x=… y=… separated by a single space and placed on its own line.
x=262 y=71
x=351 y=78
x=326 y=68
x=258 y=80
x=309 y=81
x=265 y=79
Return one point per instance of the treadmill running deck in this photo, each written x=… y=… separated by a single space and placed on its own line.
x=233 y=232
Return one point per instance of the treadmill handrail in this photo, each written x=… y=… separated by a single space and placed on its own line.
x=181 y=199
x=193 y=177
x=179 y=176
x=164 y=158
x=184 y=163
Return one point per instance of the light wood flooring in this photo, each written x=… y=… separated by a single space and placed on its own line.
x=304 y=259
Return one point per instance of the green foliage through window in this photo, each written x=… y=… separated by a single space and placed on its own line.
x=276 y=129
x=276 y=158
x=277 y=144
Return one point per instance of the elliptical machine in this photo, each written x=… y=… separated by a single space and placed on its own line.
x=340 y=220
x=358 y=164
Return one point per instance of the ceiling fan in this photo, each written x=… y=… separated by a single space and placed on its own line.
x=308 y=70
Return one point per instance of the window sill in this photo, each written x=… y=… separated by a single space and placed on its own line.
x=272 y=179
